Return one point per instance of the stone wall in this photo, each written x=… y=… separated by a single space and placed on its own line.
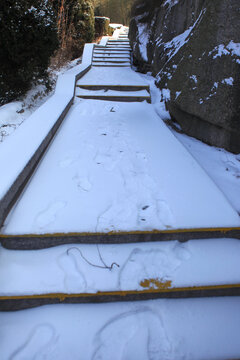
x=101 y=26
x=192 y=47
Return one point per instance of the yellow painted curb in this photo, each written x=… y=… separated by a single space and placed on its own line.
x=113 y=233
x=62 y=296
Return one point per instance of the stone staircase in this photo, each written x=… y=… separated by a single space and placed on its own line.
x=83 y=270
x=115 y=58
x=117 y=52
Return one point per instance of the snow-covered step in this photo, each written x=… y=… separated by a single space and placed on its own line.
x=118 y=47
x=109 y=64
x=158 y=329
x=112 y=76
x=111 y=56
x=176 y=268
x=115 y=87
x=113 y=95
x=110 y=60
x=118 y=42
x=123 y=42
x=113 y=53
x=110 y=50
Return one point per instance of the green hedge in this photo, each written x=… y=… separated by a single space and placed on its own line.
x=28 y=38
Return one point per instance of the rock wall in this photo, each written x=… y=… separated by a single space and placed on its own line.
x=193 y=49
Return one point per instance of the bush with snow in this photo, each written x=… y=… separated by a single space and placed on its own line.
x=28 y=38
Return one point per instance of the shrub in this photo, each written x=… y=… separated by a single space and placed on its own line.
x=75 y=25
x=28 y=38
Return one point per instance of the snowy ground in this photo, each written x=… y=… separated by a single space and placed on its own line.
x=152 y=330
x=13 y=114
x=222 y=166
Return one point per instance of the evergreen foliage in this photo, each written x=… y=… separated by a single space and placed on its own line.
x=75 y=24
x=28 y=37
x=117 y=10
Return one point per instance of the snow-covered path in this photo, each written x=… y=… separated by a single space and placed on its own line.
x=115 y=166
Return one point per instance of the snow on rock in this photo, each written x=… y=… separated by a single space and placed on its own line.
x=170 y=3
x=218 y=51
x=143 y=38
x=188 y=39
x=172 y=47
x=228 y=81
x=230 y=49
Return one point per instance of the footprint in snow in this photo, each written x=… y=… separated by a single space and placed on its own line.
x=117 y=216
x=49 y=215
x=108 y=161
x=67 y=161
x=165 y=214
x=142 y=156
x=145 y=265
x=74 y=278
x=39 y=344
x=182 y=251
x=148 y=216
x=83 y=183
x=137 y=334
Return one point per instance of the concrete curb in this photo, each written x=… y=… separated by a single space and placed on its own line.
x=14 y=303
x=37 y=242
